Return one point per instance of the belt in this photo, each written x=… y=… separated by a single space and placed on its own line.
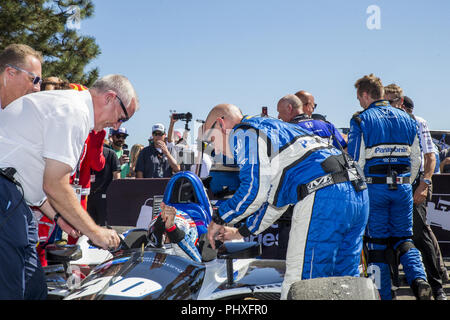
x=388 y=180
x=304 y=190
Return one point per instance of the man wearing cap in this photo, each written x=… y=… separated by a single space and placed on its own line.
x=422 y=234
x=155 y=160
x=118 y=141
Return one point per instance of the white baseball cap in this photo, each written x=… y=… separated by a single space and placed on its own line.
x=158 y=127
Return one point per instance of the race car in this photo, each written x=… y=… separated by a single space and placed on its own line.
x=141 y=270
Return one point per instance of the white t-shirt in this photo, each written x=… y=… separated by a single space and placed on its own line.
x=426 y=142
x=48 y=124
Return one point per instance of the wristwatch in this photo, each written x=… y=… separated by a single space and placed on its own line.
x=427 y=181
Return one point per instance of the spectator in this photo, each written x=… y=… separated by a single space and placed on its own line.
x=320 y=245
x=384 y=141
x=422 y=188
x=54 y=83
x=155 y=160
x=134 y=153
x=291 y=109
x=96 y=204
x=40 y=148
x=118 y=141
x=178 y=146
x=20 y=72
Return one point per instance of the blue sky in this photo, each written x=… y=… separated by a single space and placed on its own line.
x=191 y=55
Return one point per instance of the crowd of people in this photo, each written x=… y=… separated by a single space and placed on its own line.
x=337 y=192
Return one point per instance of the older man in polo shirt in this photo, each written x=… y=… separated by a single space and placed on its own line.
x=41 y=139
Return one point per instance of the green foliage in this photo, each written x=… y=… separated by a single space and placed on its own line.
x=43 y=25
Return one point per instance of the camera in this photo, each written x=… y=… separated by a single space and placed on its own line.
x=183 y=116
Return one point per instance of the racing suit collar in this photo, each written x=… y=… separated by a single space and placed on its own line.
x=379 y=103
x=299 y=117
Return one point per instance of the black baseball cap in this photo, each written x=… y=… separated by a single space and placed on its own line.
x=408 y=103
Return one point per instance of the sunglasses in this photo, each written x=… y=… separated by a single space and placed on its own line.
x=36 y=79
x=126 y=118
x=158 y=134
x=120 y=136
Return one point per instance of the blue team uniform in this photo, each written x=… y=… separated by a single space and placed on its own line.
x=283 y=165
x=384 y=141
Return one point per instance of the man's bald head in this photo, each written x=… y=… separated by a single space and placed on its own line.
x=289 y=107
x=307 y=100
x=230 y=114
x=220 y=120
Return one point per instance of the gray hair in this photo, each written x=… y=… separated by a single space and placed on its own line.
x=293 y=100
x=120 y=85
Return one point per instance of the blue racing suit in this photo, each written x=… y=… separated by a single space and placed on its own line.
x=322 y=128
x=283 y=165
x=384 y=141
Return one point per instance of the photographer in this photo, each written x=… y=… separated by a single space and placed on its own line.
x=155 y=160
x=178 y=144
x=121 y=149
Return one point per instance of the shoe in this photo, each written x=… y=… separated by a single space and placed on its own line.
x=439 y=294
x=421 y=289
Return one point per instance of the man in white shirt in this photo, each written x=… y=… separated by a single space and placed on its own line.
x=423 y=236
x=41 y=138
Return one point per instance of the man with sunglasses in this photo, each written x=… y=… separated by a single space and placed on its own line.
x=20 y=72
x=41 y=140
x=156 y=160
x=118 y=138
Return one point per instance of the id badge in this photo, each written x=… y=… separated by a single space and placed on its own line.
x=77 y=190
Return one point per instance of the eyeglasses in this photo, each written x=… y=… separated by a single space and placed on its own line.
x=157 y=133
x=120 y=136
x=36 y=79
x=315 y=106
x=126 y=118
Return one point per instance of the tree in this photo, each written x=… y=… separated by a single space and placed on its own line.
x=49 y=26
